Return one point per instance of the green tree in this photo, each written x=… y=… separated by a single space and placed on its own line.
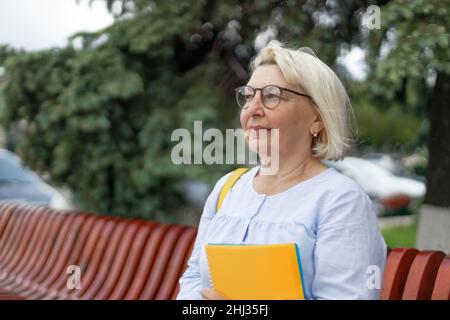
x=99 y=118
x=412 y=49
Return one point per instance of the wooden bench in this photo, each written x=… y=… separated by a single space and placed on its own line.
x=135 y=259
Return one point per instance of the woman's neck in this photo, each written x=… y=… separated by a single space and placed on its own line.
x=295 y=168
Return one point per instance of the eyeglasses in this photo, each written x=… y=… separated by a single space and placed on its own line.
x=270 y=95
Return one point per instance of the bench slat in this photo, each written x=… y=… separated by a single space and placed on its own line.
x=441 y=290
x=421 y=276
x=396 y=271
x=136 y=259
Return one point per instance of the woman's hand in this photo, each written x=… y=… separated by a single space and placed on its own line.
x=211 y=294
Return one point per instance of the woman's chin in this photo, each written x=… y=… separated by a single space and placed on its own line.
x=258 y=145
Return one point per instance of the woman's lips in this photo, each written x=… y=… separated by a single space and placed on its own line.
x=257 y=130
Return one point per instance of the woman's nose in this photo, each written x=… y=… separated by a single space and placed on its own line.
x=255 y=107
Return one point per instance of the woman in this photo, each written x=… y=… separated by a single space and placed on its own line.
x=327 y=214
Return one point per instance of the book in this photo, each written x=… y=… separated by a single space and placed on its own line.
x=256 y=271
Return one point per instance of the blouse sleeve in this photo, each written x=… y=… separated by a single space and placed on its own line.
x=190 y=284
x=349 y=247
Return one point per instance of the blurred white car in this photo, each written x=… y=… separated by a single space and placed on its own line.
x=384 y=160
x=389 y=192
x=20 y=184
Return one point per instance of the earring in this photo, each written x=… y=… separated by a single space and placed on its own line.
x=315 y=134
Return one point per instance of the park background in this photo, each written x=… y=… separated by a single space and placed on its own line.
x=93 y=114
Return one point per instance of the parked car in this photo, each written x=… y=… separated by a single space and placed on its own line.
x=17 y=183
x=386 y=161
x=392 y=194
x=396 y=167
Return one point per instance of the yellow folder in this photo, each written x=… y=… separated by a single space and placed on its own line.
x=255 y=271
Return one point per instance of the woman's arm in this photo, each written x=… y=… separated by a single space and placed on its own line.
x=349 y=249
x=190 y=284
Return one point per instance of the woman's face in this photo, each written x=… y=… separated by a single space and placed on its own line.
x=295 y=116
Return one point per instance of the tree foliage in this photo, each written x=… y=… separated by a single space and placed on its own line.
x=99 y=117
x=99 y=113
x=412 y=50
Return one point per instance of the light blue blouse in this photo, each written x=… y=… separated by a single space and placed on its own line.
x=329 y=216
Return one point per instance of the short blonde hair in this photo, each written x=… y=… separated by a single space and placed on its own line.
x=302 y=67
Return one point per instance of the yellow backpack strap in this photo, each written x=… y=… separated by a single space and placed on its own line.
x=232 y=179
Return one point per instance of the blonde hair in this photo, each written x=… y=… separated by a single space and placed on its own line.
x=302 y=67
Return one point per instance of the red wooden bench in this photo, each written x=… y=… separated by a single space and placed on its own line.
x=135 y=259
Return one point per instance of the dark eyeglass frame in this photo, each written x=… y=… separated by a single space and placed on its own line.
x=282 y=89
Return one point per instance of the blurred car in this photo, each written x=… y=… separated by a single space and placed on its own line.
x=398 y=167
x=386 y=161
x=196 y=193
x=20 y=184
x=392 y=194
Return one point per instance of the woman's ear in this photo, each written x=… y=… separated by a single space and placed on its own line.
x=317 y=126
